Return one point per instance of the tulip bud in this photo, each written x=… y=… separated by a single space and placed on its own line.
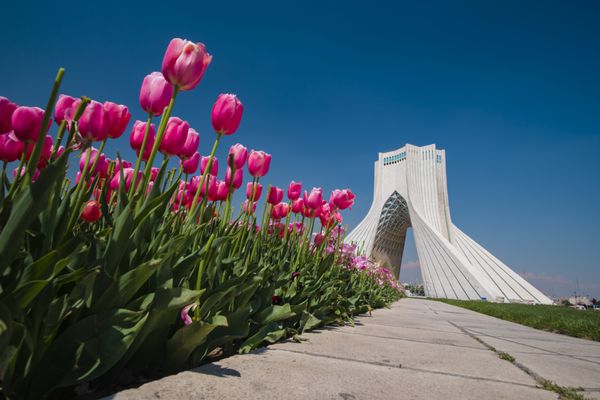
x=214 y=168
x=27 y=123
x=250 y=189
x=314 y=199
x=237 y=178
x=7 y=108
x=117 y=118
x=247 y=208
x=280 y=211
x=190 y=165
x=11 y=148
x=155 y=93
x=342 y=199
x=184 y=63
x=192 y=141
x=174 y=137
x=91 y=211
x=227 y=114
x=275 y=195
x=222 y=190
x=46 y=152
x=101 y=165
x=93 y=122
x=297 y=206
x=240 y=154
x=63 y=110
x=294 y=190
x=137 y=138
x=258 y=163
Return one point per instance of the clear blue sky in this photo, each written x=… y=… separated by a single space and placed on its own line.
x=511 y=90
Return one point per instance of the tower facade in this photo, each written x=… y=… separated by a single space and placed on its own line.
x=410 y=191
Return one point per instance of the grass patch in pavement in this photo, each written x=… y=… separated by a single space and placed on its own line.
x=568 y=321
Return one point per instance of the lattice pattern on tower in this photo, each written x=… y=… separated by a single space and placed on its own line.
x=391 y=229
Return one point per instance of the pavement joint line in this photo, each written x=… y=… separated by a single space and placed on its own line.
x=377 y=363
x=409 y=340
x=540 y=380
x=414 y=369
x=416 y=329
x=550 y=352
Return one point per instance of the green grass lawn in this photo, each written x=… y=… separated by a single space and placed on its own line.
x=568 y=321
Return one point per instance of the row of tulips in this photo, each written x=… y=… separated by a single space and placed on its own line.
x=134 y=269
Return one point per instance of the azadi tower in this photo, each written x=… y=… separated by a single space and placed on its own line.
x=411 y=191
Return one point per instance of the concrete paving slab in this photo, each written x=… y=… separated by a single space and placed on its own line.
x=411 y=334
x=564 y=371
x=417 y=349
x=272 y=374
x=480 y=363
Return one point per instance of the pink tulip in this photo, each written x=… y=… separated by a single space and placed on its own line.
x=296 y=227
x=318 y=239
x=184 y=63
x=240 y=154
x=91 y=211
x=127 y=175
x=258 y=163
x=184 y=195
x=227 y=114
x=209 y=181
x=137 y=138
x=307 y=211
x=11 y=148
x=93 y=122
x=342 y=199
x=7 y=108
x=280 y=211
x=294 y=190
x=60 y=150
x=190 y=165
x=46 y=152
x=27 y=123
x=16 y=171
x=214 y=168
x=174 y=137
x=314 y=199
x=155 y=93
x=117 y=118
x=64 y=108
x=185 y=316
x=324 y=213
x=247 y=208
x=154 y=173
x=190 y=146
x=101 y=165
x=298 y=206
x=222 y=190
x=213 y=190
x=275 y=195
x=250 y=189
x=237 y=178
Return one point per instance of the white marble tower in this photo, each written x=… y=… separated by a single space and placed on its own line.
x=410 y=191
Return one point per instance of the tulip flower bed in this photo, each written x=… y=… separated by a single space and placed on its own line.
x=135 y=269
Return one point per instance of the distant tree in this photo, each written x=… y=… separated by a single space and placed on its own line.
x=565 y=303
x=594 y=301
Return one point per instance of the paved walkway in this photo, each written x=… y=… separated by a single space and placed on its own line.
x=418 y=349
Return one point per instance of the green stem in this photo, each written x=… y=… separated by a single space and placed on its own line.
x=37 y=151
x=206 y=171
x=59 y=136
x=138 y=162
x=78 y=113
x=159 y=137
x=17 y=181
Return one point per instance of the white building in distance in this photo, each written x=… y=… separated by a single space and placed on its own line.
x=410 y=191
